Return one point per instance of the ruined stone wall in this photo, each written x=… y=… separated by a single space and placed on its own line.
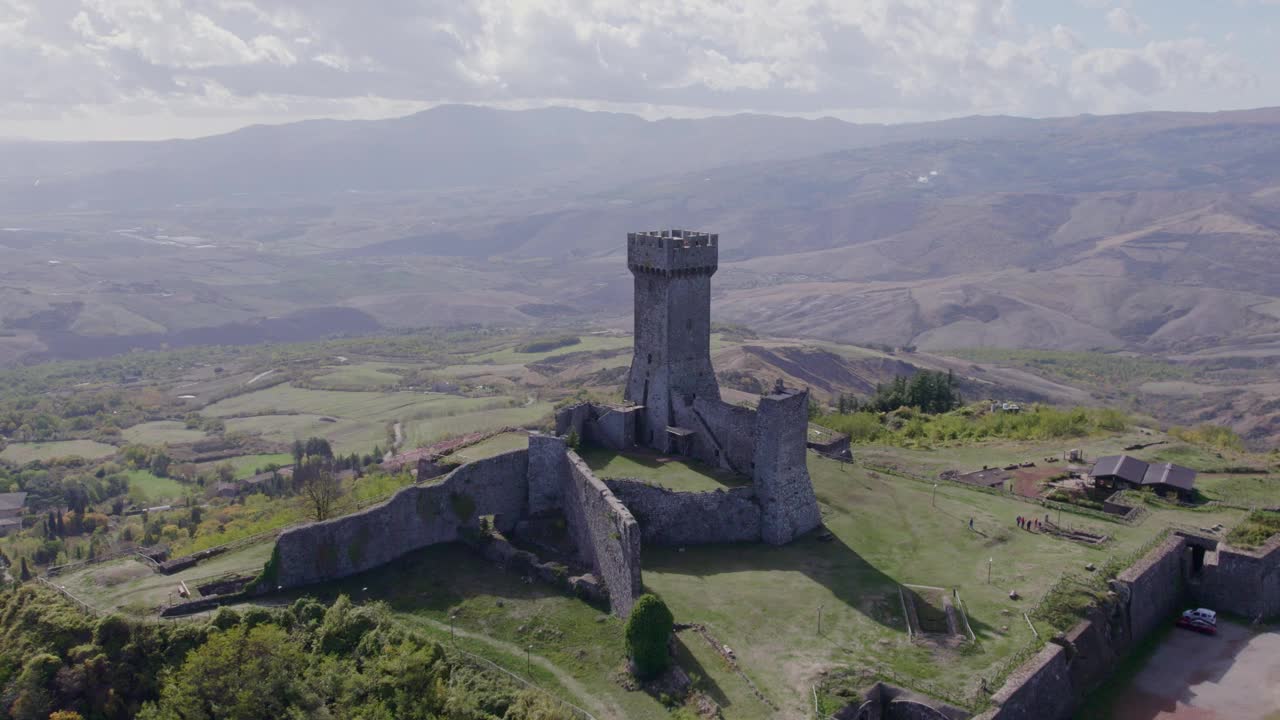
x=667 y=517
x=606 y=534
x=781 y=471
x=735 y=429
x=609 y=426
x=548 y=472
x=413 y=518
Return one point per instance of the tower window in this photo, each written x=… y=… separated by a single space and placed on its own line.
x=650 y=358
x=688 y=324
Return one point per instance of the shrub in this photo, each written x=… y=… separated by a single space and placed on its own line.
x=647 y=633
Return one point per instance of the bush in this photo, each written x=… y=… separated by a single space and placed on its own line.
x=648 y=631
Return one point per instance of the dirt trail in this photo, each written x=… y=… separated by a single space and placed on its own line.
x=601 y=708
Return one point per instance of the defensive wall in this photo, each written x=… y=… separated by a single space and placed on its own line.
x=667 y=517
x=766 y=444
x=547 y=476
x=1182 y=569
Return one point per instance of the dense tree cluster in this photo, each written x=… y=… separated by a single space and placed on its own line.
x=927 y=391
x=306 y=661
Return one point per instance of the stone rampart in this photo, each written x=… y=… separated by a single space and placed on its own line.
x=1242 y=582
x=667 y=517
x=606 y=534
x=1152 y=588
x=413 y=518
x=781 y=470
x=548 y=472
x=1050 y=685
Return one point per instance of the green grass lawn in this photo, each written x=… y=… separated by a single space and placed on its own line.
x=152 y=489
x=247 y=465
x=424 y=431
x=23 y=453
x=495 y=445
x=362 y=376
x=589 y=343
x=127 y=585
x=1250 y=491
x=162 y=432
x=670 y=472
x=356 y=421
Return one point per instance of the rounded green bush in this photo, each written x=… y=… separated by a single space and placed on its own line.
x=648 y=632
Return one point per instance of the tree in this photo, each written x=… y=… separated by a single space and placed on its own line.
x=319 y=486
x=299 y=451
x=24 y=573
x=239 y=674
x=160 y=464
x=647 y=633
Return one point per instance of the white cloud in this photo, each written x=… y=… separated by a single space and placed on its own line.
x=872 y=59
x=1123 y=20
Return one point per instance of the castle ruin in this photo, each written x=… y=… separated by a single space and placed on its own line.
x=674 y=407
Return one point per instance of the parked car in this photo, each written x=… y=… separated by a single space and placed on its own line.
x=1202 y=620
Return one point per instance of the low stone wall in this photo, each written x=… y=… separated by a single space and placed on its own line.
x=413 y=518
x=667 y=517
x=838 y=447
x=607 y=536
x=548 y=472
x=1152 y=588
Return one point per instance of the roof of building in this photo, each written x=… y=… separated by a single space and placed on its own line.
x=8 y=522
x=1124 y=467
x=679 y=431
x=1137 y=472
x=1170 y=474
x=13 y=501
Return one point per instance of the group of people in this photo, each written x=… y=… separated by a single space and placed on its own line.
x=1031 y=524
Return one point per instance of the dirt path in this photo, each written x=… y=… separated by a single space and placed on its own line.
x=259 y=376
x=601 y=708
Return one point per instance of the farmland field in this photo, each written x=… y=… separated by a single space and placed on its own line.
x=149 y=488
x=588 y=343
x=246 y=465
x=23 y=453
x=362 y=376
x=356 y=421
x=163 y=432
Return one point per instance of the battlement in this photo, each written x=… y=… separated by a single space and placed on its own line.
x=673 y=252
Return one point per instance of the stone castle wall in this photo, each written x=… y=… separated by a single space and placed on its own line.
x=667 y=517
x=607 y=536
x=1051 y=685
x=413 y=518
x=735 y=430
x=781 y=476
x=609 y=426
x=1241 y=582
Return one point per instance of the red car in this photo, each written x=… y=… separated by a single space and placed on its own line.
x=1201 y=620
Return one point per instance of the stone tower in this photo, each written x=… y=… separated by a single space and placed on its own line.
x=671 y=362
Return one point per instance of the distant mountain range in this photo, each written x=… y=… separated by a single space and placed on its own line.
x=1156 y=232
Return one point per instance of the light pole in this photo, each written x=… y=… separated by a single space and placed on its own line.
x=528 y=661
x=820 y=619
x=989 y=562
x=935 y=495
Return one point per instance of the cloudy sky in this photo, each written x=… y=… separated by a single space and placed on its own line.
x=166 y=68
